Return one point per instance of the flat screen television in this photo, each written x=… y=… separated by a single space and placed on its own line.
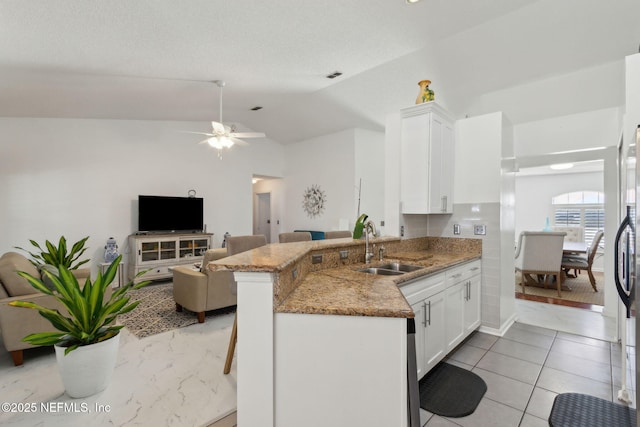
x=170 y=214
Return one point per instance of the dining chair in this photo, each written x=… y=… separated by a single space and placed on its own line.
x=577 y=263
x=294 y=236
x=539 y=258
x=339 y=234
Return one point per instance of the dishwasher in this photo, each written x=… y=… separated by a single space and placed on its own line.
x=413 y=389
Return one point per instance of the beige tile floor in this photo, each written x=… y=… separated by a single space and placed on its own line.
x=527 y=367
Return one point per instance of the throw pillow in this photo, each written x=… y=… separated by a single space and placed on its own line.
x=10 y=264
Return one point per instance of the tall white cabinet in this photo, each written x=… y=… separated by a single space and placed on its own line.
x=426 y=160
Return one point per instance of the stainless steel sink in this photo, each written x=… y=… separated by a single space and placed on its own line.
x=381 y=271
x=391 y=269
x=396 y=266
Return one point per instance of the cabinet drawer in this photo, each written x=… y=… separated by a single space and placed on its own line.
x=462 y=272
x=423 y=288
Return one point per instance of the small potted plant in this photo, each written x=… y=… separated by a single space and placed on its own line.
x=87 y=339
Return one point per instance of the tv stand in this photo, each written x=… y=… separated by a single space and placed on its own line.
x=158 y=252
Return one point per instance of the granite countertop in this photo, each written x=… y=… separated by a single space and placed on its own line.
x=346 y=291
x=336 y=287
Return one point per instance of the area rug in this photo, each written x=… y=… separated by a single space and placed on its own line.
x=576 y=289
x=450 y=391
x=157 y=313
x=576 y=409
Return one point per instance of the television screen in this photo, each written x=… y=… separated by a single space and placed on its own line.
x=162 y=213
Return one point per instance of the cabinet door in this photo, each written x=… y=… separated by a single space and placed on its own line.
x=454 y=303
x=420 y=319
x=437 y=200
x=446 y=175
x=414 y=187
x=472 y=305
x=434 y=339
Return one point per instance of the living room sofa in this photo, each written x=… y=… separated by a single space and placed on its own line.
x=17 y=322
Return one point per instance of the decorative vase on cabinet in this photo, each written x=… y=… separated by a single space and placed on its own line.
x=427 y=160
x=425 y=94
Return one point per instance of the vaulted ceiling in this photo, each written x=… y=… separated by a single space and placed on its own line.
x=156 y=59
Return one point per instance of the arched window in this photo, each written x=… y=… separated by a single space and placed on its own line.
x=583 y=209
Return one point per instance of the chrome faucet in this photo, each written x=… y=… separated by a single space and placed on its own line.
x=369 y=227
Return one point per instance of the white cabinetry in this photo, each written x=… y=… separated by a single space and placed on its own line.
x=158 y=252
x=462 y=302
x=427 y=155
x=447 y=310
x=426 y=297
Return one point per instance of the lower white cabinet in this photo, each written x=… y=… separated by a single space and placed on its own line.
x=447 y=310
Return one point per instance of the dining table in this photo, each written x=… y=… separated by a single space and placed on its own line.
x=574 y=248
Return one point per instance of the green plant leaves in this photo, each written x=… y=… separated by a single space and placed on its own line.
x=57 y=255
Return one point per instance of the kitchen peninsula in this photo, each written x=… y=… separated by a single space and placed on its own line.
x=321 y=343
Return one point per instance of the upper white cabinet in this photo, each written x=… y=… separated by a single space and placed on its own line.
x=426 y=160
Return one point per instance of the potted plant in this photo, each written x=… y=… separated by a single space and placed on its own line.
x=87 y=340
x=57 y=255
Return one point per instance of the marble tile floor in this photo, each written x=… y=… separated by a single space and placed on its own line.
x=526 y=368
x=176 y=378
x=173 y=378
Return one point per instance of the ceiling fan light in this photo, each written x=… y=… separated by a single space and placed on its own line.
x=215 y=142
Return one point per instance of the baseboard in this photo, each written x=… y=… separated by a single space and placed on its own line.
x=503 y=328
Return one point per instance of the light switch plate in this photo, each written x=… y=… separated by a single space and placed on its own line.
x=456 y=228
x=480 y=230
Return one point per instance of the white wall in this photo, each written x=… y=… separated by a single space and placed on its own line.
x=534 y=193
x=82 y=177
x=335 y=162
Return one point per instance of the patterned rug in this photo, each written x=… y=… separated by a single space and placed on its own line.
x=573 y=289
x=157 y=313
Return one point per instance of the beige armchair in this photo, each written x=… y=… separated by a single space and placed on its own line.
x=540 y=254
x=295 y=236
x=203 y=290
x=17 y=322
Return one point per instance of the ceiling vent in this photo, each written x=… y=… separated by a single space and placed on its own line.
x=256 y=108
x=334 y=75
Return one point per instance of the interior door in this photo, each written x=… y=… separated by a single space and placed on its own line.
x=262 y=223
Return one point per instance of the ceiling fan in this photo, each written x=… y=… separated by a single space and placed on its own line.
x=223 y=136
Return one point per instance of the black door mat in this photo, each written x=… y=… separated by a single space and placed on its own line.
x=450 y=391
x=581 y=410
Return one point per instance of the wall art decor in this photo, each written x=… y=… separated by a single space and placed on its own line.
x=313 y=201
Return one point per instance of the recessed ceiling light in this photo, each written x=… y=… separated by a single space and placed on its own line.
x=561 y=166
x=412 y=1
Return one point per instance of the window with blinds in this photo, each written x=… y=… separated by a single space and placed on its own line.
x=580 y=209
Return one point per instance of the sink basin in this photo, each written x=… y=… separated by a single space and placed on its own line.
x=381 y=271
x=396 y=266
x=391 y=269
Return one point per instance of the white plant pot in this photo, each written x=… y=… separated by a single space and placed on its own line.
x=87 y=370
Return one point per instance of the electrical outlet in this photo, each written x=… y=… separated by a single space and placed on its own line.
x=480 y=230
x=456 y=228
x=316 y=259
x=344 y=254
x=401 y=230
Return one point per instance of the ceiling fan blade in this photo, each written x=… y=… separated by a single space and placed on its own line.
x=197 y=133
x=238 y=141
x=218 y=128
x=247 y=134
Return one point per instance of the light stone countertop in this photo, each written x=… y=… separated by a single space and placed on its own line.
x=335 y=287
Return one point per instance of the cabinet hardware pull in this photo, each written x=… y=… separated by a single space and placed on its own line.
x=456 y=275
x=475 y=268
x=424 y=314
x=429 y=319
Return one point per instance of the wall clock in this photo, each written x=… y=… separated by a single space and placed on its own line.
x=313 y=201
